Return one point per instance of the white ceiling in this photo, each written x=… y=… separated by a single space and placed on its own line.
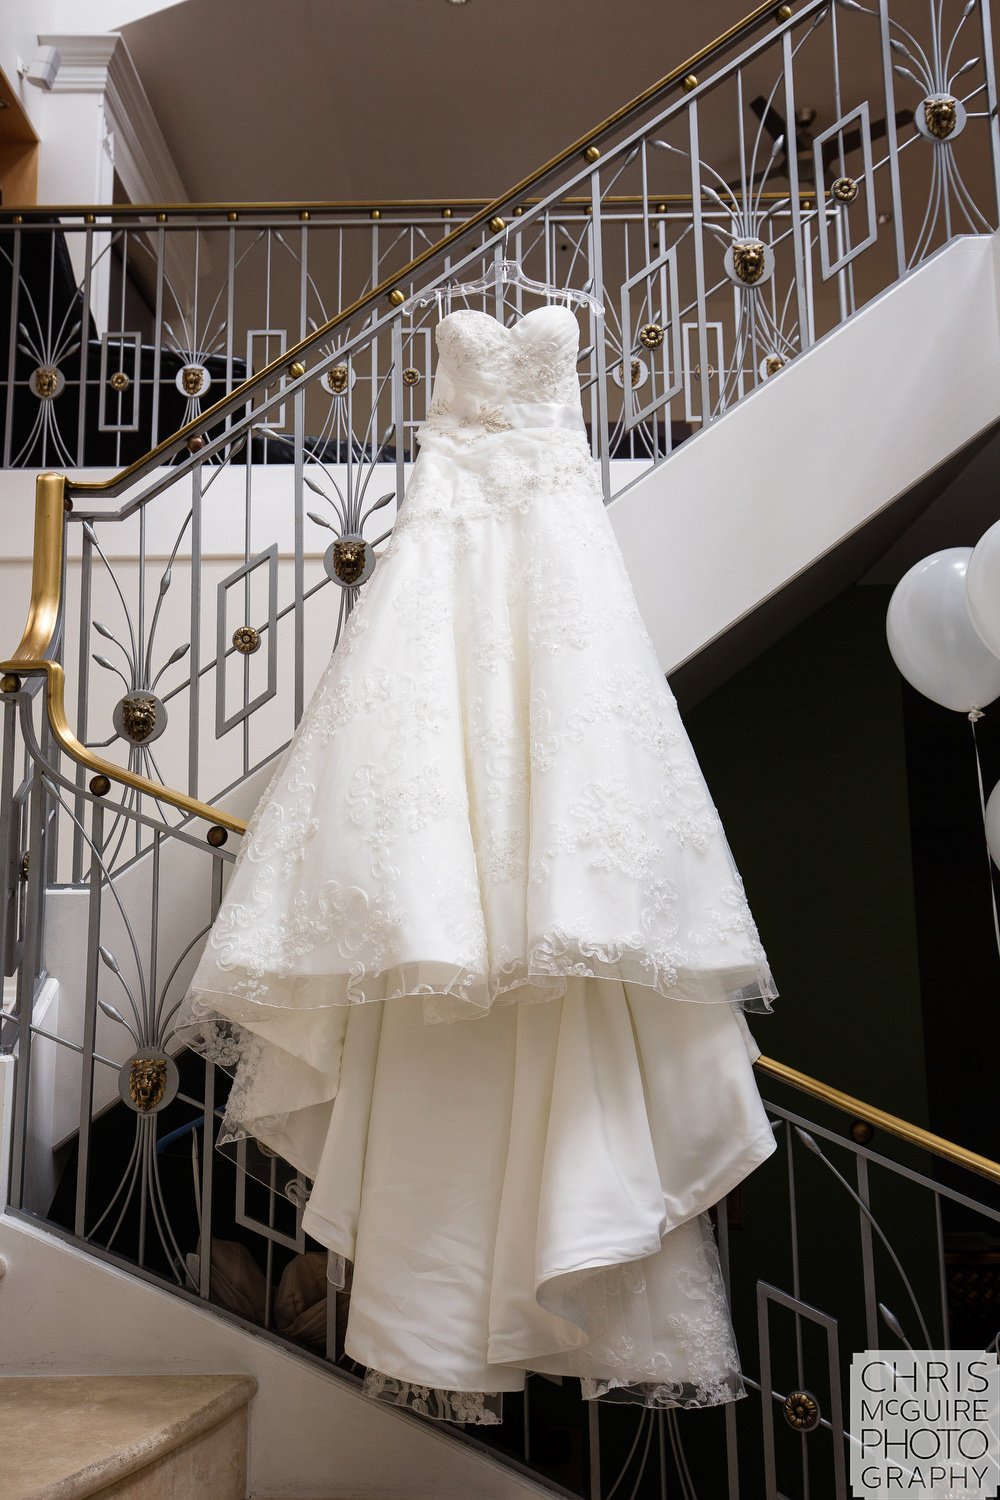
x=320 y=99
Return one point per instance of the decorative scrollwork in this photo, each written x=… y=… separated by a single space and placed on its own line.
x=338 y=380
x=246 y=639
x=801 y=1411
x=193 y=380
x=941 y=116
x=349 y=559
x=140 y=717
x=637 y=375
x=749 y=262
x=148 y=1080
x=47 y=382
x=844 y=190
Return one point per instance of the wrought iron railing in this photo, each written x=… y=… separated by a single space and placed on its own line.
x=146 y=694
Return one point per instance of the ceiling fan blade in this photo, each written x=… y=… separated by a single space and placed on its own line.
x=851 y=140
x=769 y=117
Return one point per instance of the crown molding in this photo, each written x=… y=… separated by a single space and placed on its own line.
x=101 y=63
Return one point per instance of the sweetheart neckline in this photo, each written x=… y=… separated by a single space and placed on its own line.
x=480 y=312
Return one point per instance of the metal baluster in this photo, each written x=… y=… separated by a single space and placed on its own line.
x=89 y=1034
x=88 y=272
x=867 y=1254
x=600 y=341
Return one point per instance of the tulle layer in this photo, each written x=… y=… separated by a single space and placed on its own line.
x=449 y=992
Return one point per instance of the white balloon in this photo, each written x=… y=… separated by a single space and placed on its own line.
x=983 y=587
x=993 y=824
x=932 y=638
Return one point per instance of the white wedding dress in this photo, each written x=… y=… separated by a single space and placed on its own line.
x=490 y=816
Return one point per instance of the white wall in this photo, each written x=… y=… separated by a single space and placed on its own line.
x=817 y=451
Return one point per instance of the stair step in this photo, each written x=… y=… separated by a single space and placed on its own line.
x=162 y=1437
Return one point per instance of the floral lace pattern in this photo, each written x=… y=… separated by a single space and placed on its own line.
x=490 y=799
x=491 y=729
x=482 y=1408
x=694 y=1363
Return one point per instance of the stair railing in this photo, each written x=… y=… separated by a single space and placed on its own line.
x=213 y=544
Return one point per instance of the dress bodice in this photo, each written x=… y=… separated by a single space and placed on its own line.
x=492 y=378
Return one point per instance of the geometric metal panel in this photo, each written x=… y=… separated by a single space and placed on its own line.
x=692 y=373
x=123 y=353
x=765 y=1296
x=276 y=1189
x=268 y=559
x=260 y=353
x=864 y=183
x=664 y=270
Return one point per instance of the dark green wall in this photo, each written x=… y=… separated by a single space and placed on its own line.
x=804 y=753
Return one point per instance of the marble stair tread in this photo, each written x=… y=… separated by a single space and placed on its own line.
x=69 y=1436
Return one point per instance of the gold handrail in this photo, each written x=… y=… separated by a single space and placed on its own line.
x=881 y=1119
x=14 y=214
x=33 y=657
x=585 y=146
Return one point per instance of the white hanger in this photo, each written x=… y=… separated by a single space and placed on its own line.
x=506 y=273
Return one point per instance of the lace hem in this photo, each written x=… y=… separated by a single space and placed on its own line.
x=482 y=1408
x=660 y=1394
x=485 y=1408
x=452 y=991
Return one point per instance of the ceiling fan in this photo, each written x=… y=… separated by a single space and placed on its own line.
x=848 y=141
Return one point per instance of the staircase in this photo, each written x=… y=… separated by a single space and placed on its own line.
x=126 y=1437
x=786 y=368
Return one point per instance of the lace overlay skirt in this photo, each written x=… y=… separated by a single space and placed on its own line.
x=490 y=813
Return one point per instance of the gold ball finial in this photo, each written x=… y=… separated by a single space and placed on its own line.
x=396 y=297
x=217 y=835
x=783 y=13
x=161 y=218
x=376 y=213
x=100 y=785
x=195 y=444
x=689 y=82
x=305 y=216
x=296 y=369
x=233 y=216
x=10 y=682
x=446 y=213
x=496 y=224
x=592 y=154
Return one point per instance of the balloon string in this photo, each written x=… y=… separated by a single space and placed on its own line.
x=977 y=714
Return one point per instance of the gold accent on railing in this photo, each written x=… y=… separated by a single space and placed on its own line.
x=592 y=154
x=32 y=656
x=163 y=213
x=279 y=366
x=296 y=369
x=496 y=224
x=915 y=1135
